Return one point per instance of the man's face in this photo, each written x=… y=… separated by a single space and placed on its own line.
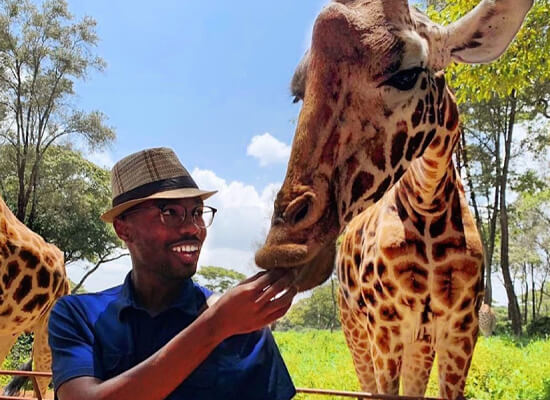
x=169 y=252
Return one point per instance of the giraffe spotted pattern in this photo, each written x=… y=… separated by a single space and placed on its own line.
x=32 y=278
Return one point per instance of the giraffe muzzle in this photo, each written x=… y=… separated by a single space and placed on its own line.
x=281 y=256
x=310 y=271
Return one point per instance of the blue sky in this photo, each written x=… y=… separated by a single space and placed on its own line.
x=211 y=80
x=201 y=77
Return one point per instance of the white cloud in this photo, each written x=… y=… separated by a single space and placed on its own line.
x=241 y=260
x=268 y=150
x=270 y=192
x=243 y=216
x=108 y=275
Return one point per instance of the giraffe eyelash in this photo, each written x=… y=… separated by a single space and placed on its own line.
x=405 y=79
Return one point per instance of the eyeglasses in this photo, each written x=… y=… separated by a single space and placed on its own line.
x=174 y=216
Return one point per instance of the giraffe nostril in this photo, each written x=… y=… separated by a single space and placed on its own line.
x=299 y=213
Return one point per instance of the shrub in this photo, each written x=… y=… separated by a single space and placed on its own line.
x=539 y=327
x=19 y=354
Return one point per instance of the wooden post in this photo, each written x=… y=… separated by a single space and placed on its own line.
x=35 y=387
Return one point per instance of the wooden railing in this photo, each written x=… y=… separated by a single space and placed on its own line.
x=32 y=375
x=321 y=392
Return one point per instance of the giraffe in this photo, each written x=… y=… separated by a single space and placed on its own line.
x=33 y=277
x=487 y=320
x=372 y=161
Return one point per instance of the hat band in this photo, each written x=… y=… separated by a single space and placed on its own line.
x=179 y=182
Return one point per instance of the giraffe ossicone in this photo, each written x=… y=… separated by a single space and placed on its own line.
x=32 y=277
x=372 y=161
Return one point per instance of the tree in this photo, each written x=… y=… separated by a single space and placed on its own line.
x=494 y=98
x=219 y=279
x=71 y=194
x=319 y=311
x=530 y=250
x=42 y=53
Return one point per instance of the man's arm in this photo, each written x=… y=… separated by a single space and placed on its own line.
x=245 y=308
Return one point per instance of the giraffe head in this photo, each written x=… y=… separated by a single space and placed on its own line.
x=374 y=98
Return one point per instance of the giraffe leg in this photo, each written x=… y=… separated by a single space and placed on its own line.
x=6 y=343
x=454 y=355
x=359 y=345
x=41 y=353
x=418 y=359
x=387 y=365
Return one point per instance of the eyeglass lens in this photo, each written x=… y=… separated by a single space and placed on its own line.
x=201 y=216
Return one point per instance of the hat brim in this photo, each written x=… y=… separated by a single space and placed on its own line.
x=109 y=216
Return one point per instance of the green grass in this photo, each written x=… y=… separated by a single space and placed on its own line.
x=502 y=368
x=318 y=359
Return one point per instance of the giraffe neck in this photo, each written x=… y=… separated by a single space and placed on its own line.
x=8 y=221
x=432 y=177
x=6 y=217
x=430 y=180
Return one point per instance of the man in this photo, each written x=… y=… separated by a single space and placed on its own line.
x=158 y=335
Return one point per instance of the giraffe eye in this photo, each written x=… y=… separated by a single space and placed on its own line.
x=404 y=80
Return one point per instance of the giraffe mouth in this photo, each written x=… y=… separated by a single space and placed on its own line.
x=317 y=270
x=282 y=256
x=312 y=266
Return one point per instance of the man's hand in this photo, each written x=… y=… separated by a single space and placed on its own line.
x=255 y=302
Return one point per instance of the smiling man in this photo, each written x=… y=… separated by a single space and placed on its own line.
x=160 y=335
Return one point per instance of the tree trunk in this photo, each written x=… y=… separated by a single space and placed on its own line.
x=21 y=201
x=488 y=294
x=34 y=203
x=491 y=248
x=539 y=306
x=103 y=259
x=515 y=313
x=487 y=243
x=525 y=294
x=533 y=294
x=334 y=313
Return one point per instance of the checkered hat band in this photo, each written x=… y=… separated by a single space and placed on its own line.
x=180 y=182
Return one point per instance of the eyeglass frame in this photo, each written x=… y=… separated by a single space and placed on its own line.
x=181 y=217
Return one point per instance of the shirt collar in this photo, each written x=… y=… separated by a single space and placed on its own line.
x=190 y=299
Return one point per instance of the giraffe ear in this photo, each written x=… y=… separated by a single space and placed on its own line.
x=484 y=33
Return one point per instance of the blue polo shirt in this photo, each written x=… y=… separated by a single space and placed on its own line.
x=104 y=334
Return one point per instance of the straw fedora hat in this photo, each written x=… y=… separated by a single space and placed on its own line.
x=150 y=174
